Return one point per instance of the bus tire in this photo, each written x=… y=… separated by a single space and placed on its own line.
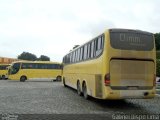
x=85 y=94
x=23 y=78
x=79 y=88
x=58 y=78
x=64 y=83
x=3 y=77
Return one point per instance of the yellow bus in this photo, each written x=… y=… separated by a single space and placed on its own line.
x=24 y=70
x=118 y=64
x=4 y=71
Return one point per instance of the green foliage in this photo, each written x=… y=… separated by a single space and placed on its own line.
x=43 y=58
x=32 y=57
x=158 y=68
x=158 y=54
x=27 y=56
x=157 y=40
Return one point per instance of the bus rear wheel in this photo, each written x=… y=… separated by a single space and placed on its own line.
x=58 y=78
x=85 y=94
x=79 y=89
x=23 y=79
x=3 y=77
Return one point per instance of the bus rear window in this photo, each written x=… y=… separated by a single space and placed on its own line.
x=3 y=67
x=131 y=40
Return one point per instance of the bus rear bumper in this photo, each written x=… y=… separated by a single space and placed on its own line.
x=129 y=94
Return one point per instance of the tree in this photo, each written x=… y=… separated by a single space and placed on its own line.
x=157 y=41
x=43 y=58
x=27 y=56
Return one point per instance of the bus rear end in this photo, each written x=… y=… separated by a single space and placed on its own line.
x=4 y=71
x=131 y=65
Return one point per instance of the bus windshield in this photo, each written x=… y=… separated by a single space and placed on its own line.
x=15 y=68
x=131 y=40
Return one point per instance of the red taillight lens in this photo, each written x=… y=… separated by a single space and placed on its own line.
x=107 y=79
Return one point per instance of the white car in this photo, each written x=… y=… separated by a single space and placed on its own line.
x=157 y=80
x=158 y=85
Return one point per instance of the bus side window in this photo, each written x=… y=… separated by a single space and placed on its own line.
x=30 y=66
x=78 y=54
x=65 y=59
x=102 y=43
x=92 y=49
x=40 y=66
x=89 y=51
x=69 y=58
x=23 y=66
x=73 y=57
x=99 y=46
x=81 y=54
x=85 y=52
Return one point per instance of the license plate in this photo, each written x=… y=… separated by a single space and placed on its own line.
x=132 y=88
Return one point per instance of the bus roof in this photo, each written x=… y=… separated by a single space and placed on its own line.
x=4 y=64
x=47 y=62
x=129 y=30
x=114 y=30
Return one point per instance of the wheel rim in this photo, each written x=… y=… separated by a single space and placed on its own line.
x=23 y=78
x=58 y=78
x=3 y=77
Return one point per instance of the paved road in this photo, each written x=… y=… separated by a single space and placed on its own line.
x=46 y=97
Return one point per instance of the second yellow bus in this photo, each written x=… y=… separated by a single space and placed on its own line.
x=23 y=70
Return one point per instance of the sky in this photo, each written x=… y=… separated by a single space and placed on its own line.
x=53 y=27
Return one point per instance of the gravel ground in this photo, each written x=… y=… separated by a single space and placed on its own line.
x=46 y=97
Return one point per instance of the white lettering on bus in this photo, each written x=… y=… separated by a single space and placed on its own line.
x=132 y=39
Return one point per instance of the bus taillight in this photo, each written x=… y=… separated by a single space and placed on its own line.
x=107 y=79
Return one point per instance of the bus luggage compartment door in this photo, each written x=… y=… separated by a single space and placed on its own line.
x=131 y=74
